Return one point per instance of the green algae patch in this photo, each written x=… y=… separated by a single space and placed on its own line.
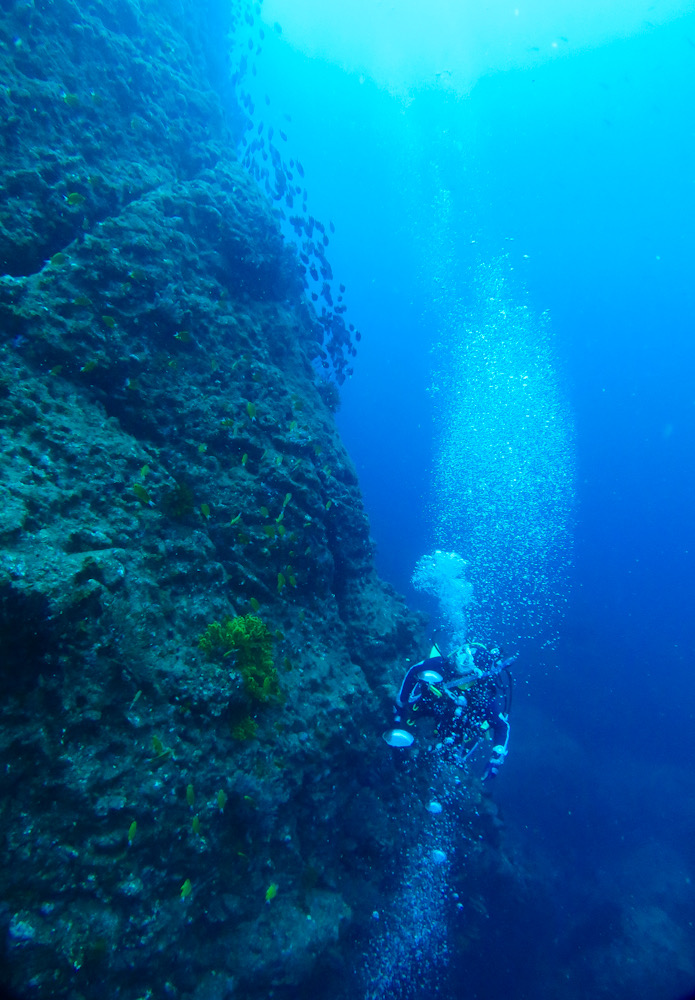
x=248 y=639
x=244 y=729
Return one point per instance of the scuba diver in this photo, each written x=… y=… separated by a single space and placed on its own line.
x=469 y=695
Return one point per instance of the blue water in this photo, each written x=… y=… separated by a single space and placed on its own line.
x=576 y=178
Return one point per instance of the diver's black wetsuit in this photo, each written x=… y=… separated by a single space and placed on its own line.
x=468 y=707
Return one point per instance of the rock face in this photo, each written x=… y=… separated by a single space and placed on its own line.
x=168 y=457
x=183 y=820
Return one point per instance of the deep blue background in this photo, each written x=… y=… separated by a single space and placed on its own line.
x=583 y=173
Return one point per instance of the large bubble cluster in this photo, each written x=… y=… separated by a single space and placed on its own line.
x=409 y=950
x=504 y=475
x=438 y=897
x=443 y=575
x=409 y=947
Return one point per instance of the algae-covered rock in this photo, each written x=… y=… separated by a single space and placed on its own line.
x=169 y=457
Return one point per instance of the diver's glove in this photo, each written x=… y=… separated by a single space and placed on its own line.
x=496 y=761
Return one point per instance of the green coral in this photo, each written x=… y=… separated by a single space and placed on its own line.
x=244 y=729
x=248 y=639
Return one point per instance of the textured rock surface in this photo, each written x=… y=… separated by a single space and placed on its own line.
x=168 y=457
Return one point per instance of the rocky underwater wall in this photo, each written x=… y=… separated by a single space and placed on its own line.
x=177 y=818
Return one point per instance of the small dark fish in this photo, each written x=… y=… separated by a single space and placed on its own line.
x=332 y=227
x=342 y=288
x=300 y=169
x=260 y=127
x=358 y=335
x=325 y=240
x=283 y=136
x=314 y=273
